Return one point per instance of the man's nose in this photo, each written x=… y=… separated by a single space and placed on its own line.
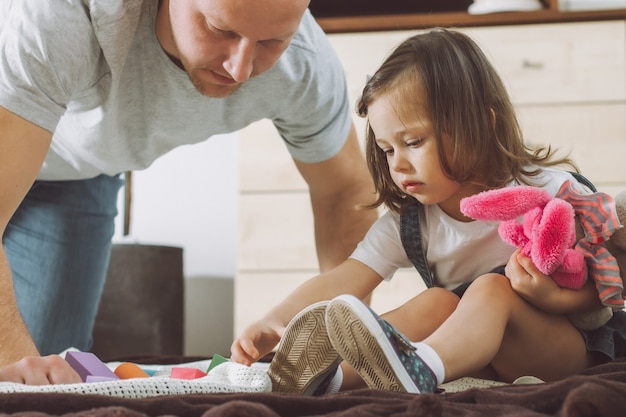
x=240 y=61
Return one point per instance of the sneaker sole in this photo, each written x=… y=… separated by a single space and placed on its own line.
x=359 y=339
x=305 y=354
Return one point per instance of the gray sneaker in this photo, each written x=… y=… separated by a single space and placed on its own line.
x=383 y=357
x=305 y=361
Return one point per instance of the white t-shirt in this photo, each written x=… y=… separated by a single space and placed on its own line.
x=94 y=73
x=456 y=252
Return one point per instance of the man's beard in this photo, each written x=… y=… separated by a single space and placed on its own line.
x=206 y=89
x=211 y=90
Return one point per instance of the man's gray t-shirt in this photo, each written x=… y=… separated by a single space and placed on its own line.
x=94 y=73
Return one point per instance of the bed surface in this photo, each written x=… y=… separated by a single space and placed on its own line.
x=598 y=392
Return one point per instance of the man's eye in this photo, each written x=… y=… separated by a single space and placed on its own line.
x=218 y=32
x=274 y=42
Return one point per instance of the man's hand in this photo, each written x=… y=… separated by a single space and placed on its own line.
x=40 y=370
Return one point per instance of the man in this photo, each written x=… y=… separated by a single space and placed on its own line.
x=92 y=89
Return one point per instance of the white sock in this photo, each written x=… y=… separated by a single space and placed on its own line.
x=432 y=359
x=335 y=384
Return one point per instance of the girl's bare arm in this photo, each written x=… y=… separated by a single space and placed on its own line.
x=350 y=277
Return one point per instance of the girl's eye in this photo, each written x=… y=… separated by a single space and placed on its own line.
x=414 y=143
x=388 y=151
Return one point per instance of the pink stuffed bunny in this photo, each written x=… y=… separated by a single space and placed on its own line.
x=547 y=233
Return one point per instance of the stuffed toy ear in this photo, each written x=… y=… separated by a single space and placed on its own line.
x=553 y=235
x=512 y=232
x=504 y=203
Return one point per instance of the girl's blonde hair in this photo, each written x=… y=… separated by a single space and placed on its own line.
x=467 y=103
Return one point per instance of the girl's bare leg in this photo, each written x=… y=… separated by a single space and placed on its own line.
x=493 y=325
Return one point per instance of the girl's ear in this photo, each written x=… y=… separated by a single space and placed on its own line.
x=505 y=203
x=493 y=116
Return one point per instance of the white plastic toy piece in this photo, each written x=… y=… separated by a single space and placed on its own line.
x=498 y=6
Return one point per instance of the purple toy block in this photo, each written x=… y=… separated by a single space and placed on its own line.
x=87 y=364
x=93 y=378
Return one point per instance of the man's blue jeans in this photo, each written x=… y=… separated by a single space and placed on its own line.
x=58 y=245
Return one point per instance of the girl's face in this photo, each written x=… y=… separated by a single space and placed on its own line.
x=221 y=44
x=412 y=154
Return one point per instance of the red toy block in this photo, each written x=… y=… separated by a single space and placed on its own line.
x=187 y=373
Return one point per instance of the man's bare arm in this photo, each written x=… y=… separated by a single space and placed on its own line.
x=337 y=187
x=23 y=147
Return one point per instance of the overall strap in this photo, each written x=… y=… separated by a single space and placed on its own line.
x=583 y=180
x=411 y=237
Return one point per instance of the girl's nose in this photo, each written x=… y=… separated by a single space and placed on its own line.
x=398 y=162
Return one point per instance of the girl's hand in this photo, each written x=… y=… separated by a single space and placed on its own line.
x=255 y=342
x=530 y=283
x=543 y=292
x=40 y=370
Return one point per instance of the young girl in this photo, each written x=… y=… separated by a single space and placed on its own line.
x=441 y=127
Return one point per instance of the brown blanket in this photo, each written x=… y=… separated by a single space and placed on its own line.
x=598 y=392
